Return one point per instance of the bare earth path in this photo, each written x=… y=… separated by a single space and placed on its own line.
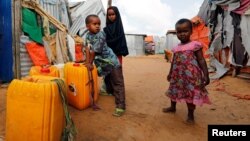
x=145 y=81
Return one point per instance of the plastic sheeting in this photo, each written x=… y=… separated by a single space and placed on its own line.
x=80 y=11
x=201 y=34
x=58 y=9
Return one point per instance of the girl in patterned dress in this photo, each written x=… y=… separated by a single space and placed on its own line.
x=188 y=74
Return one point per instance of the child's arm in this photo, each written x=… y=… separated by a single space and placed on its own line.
x=203 y=65
x=90 y=55
x=91 y=59
x=170 y=71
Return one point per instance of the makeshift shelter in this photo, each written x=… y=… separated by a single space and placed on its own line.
x=172 y=39
x=201 y=34
x=229 y=24
x=135 y=43
x=160 y=44
x=53 y=26
x=149 y=45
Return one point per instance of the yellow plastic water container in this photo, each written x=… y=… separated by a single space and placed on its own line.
x=45 y=70
x=34 y=110
x=79 y=89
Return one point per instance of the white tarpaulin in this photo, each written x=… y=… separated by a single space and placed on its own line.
x=79 y=11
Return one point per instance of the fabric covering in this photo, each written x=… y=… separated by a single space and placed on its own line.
x=200 y=33
x=30 y=26
x=80 y=11
x=37 y=54
x=115 y=34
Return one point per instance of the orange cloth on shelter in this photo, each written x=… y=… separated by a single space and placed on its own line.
x=37 y=53
x=200 y=33
x=149 y=39
x=78 y=53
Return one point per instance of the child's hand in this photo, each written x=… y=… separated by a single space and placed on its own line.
x=205 y=82
x=168 y=77
x=90 y=67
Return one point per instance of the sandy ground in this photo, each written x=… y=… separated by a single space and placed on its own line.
x=145 y=80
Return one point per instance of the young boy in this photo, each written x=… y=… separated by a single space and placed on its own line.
x=105 y=61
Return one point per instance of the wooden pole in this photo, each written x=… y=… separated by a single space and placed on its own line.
x=109 y=3
x=16 y=37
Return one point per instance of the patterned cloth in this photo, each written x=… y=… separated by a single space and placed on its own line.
x=105 y=59
x=186 y=76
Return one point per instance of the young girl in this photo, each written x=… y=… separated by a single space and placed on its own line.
x=188 y=74
x=115 y=38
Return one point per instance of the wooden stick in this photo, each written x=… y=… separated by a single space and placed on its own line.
x=109 y=3
x=43 y=13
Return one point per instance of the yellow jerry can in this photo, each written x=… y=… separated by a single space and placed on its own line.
x=79 y=85
x=34 y=110
x=45 y=70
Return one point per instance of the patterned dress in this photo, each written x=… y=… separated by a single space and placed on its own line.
x=105 y=59
x=186 y=76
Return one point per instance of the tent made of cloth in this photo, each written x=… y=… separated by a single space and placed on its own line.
x=200 y=33
x=80 y=11
x=149 y=39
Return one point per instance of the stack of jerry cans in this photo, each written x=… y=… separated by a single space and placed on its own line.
x=45 y=70
x=34 y=110
x=79 y=86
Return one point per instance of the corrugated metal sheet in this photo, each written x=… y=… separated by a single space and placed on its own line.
x=172 y=41
x=79 y=11
x=25 y=60
x=6 y=60
x=57 y=9
x=160 y=44
x=135 y=44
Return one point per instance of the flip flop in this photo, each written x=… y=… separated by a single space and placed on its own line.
x=118 y=112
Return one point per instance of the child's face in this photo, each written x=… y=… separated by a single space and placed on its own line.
x=111 y=15
x=94 y=25
x=183 y=32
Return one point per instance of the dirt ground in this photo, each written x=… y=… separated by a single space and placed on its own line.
x=145 y=82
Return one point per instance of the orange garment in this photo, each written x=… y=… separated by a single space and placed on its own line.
x=149 y=39
x=37 y=54
x=200 y=33
x=78 y=53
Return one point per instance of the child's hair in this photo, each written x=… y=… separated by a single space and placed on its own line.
x=181 y=21
x=87 y=19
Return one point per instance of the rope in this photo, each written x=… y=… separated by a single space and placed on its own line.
x=69 y=131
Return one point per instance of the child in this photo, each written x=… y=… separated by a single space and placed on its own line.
x=106 y=61
x=188 y=74
x=115 y=39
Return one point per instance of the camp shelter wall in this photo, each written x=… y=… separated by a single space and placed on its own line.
x=79 y=11
x=171 y=40
x=6 y=60
x=160 y=44
x=135 y=43
x=21 y=59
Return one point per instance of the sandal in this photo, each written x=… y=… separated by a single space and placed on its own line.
x=118 y=112
x=105 y=94
x=169 y=110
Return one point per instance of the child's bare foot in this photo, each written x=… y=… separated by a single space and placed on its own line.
x=190 y=119
x=169 y=110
